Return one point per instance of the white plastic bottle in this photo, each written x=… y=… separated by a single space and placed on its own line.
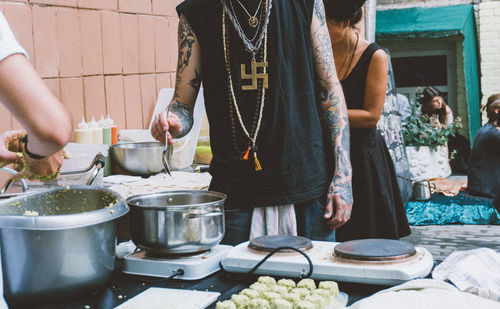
x=83 y=133
x=96 y=130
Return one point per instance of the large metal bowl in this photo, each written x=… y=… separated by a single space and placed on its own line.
x=59 y=242
x=140 y=158
x=177 y=222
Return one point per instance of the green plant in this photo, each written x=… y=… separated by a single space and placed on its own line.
x=421 y=130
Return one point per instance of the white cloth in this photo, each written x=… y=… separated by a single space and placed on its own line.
x=8 y=43
x=424 y=293
x=475 y=271
x=273 y=220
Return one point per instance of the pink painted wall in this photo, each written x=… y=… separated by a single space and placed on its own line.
x=99 y=56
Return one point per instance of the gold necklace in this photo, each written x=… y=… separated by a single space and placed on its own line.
x=253 y=139
x=253 y=21
x=350 y=55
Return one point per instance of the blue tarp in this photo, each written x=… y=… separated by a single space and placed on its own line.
x=460 y=209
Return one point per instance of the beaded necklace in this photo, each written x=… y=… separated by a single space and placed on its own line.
x=252 y=138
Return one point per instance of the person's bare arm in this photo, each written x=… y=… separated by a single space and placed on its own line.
x=376 y=85
x=334 y=115
x=46 y=120
x=187 y=85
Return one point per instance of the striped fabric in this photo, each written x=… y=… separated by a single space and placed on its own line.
x=273 y=220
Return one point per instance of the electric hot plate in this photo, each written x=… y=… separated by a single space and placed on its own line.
x=269 y=243
x=374 y=250
x=377 y=261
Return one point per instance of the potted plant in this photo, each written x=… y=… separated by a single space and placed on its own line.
x=426 y=144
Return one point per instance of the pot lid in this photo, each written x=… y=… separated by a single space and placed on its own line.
x=269 y=243
x=62 y=208
x=374 y=249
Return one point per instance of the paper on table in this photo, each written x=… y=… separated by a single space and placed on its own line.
x=161 y=298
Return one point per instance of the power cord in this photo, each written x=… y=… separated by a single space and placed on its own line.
x=251 y=271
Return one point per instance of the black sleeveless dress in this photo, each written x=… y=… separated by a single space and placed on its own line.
x=378 y=210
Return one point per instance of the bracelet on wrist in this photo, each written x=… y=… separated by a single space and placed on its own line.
x=24 y=139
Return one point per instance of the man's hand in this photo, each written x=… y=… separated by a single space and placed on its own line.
x=171 y=126
x=339 y=203
x=10 y=144
x=46 y=169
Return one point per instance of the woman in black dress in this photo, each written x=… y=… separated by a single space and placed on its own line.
x=378 y=210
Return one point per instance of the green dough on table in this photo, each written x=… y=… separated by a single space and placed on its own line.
x=332 y=286
x=250 y=293
x=267 y=280
x=317 y=299
x=271 y=295
x=323 y=293
x=288 y=283
x=304 y=304
x=307 y=283
x=292 y=297
x=241 y=301
x=280 y=289
x=259 y=287
x=259 y=303
x=303 y=292
x=227 y=304
x=281 y=304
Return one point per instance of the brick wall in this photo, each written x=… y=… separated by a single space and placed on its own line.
x=489 y=41
x=99 y=56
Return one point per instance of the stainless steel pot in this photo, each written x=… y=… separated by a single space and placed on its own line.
x=422 y=190
x=141 y=158
x=177 y=222
x=58 y=242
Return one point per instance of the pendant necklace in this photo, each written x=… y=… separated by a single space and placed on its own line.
x=349 y=55
x=252 y=48
x=252 y=19
x=251 y=136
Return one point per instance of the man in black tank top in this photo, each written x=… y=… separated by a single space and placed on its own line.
x=278 y=121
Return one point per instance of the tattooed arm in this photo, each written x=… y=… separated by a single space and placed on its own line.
x=187 y=85
x=334 y=115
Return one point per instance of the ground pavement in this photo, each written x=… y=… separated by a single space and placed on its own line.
x=442 y=240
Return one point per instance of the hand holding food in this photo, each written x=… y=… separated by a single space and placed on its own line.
x=32 y=166
x=11 y=148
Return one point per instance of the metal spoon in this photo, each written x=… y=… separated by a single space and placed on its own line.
x=165 y=150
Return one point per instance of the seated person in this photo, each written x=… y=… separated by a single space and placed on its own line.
x=484 y=162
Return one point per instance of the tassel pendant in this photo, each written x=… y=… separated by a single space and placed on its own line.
x=258 y=167
x=245 y=154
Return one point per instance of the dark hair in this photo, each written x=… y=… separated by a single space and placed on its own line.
x=426 y=100
x=342 y=10
x=490 y=110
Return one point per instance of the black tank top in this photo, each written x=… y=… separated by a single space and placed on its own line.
x=354 y=87
x=290 y=144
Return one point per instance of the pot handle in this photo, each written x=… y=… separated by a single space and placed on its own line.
x=204 y=215
x=432 y=187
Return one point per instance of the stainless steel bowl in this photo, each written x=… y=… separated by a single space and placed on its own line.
x=59 y=242
x=140 y=158
x=177 y=222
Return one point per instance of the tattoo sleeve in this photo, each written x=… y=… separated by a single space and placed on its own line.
x=332 y=104
x=186 y=40
x=188 y=77
x=185 y=114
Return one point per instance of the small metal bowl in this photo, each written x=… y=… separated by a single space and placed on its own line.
x=140 y=158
